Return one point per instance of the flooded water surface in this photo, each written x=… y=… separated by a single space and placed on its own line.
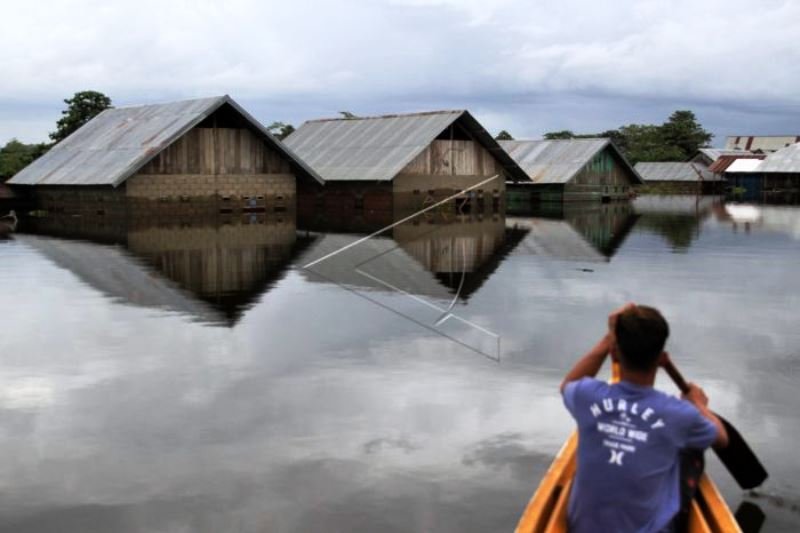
x=269 y=374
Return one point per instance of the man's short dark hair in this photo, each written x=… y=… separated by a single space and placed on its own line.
x=641 y=334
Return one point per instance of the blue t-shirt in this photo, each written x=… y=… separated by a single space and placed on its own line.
x=629 y=439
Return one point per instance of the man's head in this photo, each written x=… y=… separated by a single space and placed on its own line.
x=641 y=333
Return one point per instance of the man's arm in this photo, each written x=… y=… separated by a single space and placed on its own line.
x=698 y=397
x=589 y=365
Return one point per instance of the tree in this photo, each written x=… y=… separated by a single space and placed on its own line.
x=504 y=136
x=81 y=108
x=684 y=132
x=280 y=130
x=645 y=142
x=15 y=156
x=555 y=135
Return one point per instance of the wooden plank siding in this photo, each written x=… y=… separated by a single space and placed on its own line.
x=218 y=151
x=450 y=158
x=603 y=177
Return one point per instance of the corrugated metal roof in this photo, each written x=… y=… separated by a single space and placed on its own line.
x=558 y=161
x=743 y=165
x=378 y=148
x=672 y=171
x=112 y=146
x=784 y=160
x=723 y=163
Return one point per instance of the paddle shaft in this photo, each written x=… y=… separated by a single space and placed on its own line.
x=737 y=456
x=676 y=376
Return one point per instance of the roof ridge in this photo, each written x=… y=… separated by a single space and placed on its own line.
x=390 y=115
x=172 y=102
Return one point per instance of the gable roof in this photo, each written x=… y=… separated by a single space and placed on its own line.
x=674 y=171
x=116 y=143
x=784 y=160
x=378 y=148
x=558 y=161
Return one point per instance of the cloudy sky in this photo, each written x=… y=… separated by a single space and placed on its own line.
x=528 y=66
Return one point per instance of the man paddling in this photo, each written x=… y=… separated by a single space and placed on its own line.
x=635 y=444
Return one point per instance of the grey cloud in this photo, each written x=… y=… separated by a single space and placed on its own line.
x=296 y=61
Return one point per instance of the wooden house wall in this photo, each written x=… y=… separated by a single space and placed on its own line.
x=210 y=151
x=453 y=158
x=209 y=170
x=604 y=177
x=445 y=168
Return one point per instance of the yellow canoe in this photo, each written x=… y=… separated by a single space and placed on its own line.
x=547 y=510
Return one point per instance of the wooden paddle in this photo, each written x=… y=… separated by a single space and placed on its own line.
x=737 y=456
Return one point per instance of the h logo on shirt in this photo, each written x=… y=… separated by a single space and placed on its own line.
x=616 y=457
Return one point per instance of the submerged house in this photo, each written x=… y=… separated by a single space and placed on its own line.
x=679 y=178
x=195 y=156
x=775 y=176
x=570 y=170
x=397 y=163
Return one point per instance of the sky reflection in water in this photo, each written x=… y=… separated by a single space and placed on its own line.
x=196 y=377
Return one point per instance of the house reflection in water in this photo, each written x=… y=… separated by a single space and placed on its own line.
x=432 y=255
x=211 y=270
x=581 y=232
x=423 y=270
x=677 y=219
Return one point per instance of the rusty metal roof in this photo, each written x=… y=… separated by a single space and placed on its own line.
x=784 y=160
x=723 y=162
x=672 y=171
x=715 y=153
x=378 y=148
x=558 y=161
x=115 y=144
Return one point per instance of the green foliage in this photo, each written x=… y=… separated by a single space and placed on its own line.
x=645 y=142
x=556 y=135
x=81 y=108
x=15 y=156
x=677 y=139
x=504 y=136
x=684 y=132
x=280 y=130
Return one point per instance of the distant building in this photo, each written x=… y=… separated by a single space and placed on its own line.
x=778 y=175
x=760 y=143
x=679 y=178
x=571 y=170
x=402 y=162
x=723 y=163
x=194 y=156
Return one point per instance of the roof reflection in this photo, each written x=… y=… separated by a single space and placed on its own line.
x=585 y=232
x=210 y=270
